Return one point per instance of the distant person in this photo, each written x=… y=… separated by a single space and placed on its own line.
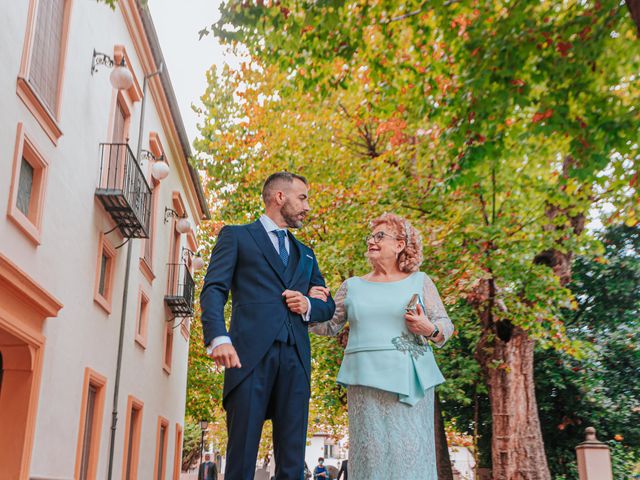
x=208 y=469
x=343 y=470
x=395 y=316
x=320 y=472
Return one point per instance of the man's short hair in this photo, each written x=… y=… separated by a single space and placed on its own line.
x=277 y=178
x=321 y=459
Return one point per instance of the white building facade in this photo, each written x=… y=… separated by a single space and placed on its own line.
x=75 y=196
x=320 y=444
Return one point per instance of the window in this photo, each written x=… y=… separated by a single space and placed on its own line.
x=104 y=274
x=146 y=262
x=27 y=192
x=192 y=244
x=155 y=147
x=104 y=271
x=120 y=121
x=177 y=457
x=44 y=73
x=174 y=250
x=161 y=448
x=148 y=242
x=141 y=319
x=90 y=422
x=88 y=431
x=42 y=66
x=328 y=451
x=25 y=187
x=168 y=347
x=132 y=439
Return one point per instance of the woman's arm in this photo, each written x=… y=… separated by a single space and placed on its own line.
x=436 y=312
x=333 y=326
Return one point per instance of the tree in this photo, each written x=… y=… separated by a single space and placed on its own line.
x=497 y=125
x=596 y=391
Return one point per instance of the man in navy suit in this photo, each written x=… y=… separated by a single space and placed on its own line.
x=266 y=352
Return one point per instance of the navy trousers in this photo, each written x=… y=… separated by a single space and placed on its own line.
x=277 y=389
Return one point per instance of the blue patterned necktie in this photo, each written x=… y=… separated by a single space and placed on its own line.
x=282 y=249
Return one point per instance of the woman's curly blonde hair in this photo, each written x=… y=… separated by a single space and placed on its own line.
x=410 y=258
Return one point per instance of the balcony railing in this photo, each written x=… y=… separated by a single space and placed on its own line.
x=123 y=190
x=180 y=291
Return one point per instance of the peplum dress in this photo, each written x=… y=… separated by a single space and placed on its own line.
x=389 y=377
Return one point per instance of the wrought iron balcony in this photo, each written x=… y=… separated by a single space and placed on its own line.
x=123 y=190
x=181 y=289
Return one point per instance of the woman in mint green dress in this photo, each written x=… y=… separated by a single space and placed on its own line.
x=388 y=368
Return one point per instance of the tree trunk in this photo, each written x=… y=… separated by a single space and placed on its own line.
x=505 y=354
x=445 y=472
x=634 y=10
x=517 y=448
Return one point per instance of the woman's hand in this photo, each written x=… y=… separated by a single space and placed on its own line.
x=418 y=323
x=321 y=293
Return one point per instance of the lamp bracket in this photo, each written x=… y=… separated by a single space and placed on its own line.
x=188 y=252
x=171 y=213
x=147 y=155
x=100 y=59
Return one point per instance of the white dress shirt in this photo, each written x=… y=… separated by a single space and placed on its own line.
x=271 y=227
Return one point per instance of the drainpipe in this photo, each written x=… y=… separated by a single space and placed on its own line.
x=123 y=316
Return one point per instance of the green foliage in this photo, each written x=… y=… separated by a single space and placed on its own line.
x=625 y=461
x=191 y=443
x=597 y=390
x=110 y=3
x=494 y=126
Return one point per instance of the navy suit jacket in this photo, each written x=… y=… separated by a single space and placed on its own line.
x=245 y=264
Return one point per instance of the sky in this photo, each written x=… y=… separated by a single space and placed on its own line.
x=187 y=58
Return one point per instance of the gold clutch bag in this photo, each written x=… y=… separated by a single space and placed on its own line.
x=412 y=306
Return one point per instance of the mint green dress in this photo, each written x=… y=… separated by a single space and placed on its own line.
x=389 y=376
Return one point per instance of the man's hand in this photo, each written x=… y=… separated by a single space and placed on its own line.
x=296 y=301
x=225 y=356
x=321 y=293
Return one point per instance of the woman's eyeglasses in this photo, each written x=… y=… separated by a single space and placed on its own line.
x=378 y=236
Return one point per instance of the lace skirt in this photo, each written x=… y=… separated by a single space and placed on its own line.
x=389 y=440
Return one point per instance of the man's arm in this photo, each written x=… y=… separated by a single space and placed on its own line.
x=217 y=284
x=320 y=311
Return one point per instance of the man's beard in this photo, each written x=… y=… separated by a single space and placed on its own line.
x=290 y=216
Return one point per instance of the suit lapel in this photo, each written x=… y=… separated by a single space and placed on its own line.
x=263 y=241
x=303 y=263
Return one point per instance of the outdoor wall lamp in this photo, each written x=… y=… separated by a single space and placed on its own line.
x=120 y=78
x=159 y=169
x=182 y=225
x=198 y=262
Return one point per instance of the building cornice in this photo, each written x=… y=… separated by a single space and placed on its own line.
x=145 y=40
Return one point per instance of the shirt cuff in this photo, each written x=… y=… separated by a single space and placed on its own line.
x=221 y=340
x=307 y=316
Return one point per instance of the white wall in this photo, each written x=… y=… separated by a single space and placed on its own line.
x=83 y=335
x=462 y=460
